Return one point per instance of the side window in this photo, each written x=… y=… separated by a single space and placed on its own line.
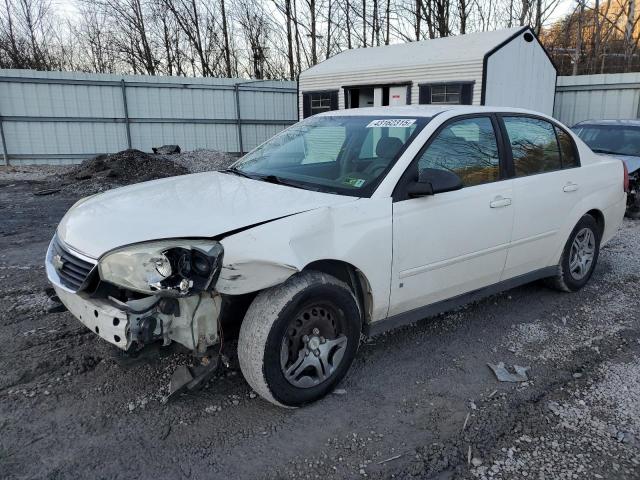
x=384 y=142
x=533 y=144
x=467 y=148
x=567 y=148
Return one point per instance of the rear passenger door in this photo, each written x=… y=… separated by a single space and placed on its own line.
x=546 y=187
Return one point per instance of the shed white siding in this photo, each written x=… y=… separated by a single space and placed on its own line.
x=519 y=74
x=469 y=71
x=514 y=66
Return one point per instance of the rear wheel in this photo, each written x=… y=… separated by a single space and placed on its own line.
x=298 y=339
x=579 y=257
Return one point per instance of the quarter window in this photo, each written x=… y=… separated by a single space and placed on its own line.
x=533 y=145
x=569 y=157
x=467 y=148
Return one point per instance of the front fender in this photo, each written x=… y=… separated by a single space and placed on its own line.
x=358 y=233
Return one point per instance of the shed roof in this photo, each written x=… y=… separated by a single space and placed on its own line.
x=461 y=48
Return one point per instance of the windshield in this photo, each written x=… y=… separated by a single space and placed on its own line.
x=348 y=155
x=611 y=139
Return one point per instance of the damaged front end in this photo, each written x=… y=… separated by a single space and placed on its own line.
x=143 y=293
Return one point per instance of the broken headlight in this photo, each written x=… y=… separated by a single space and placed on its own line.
x=172 y=268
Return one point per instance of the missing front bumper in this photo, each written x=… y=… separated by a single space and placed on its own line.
x=107 y=321
x=194 y=325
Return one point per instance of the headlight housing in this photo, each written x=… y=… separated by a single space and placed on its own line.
x=171 y=268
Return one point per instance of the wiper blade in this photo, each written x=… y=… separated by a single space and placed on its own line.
x=281 y=181
x=240 y=173
x=268 y=178
x=601 y=150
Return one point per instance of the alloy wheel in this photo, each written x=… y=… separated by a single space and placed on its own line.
x=582 y=253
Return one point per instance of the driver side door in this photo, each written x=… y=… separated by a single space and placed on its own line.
x=454 y=242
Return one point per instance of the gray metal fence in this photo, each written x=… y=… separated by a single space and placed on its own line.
x=585 y=97
x=61 y=117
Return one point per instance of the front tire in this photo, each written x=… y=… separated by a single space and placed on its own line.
x=579 y=256
x=298 y=339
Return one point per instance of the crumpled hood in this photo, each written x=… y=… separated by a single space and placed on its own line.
x=632 y=162
x=199 y=205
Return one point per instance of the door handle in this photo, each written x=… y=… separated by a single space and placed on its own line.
x=570 y=187
x=500 y=202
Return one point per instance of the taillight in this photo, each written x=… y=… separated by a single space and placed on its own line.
x=625 y=181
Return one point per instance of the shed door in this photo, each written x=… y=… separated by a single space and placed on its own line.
x=398 y=95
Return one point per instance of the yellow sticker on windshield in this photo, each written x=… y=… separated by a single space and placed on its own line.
x=392 y=122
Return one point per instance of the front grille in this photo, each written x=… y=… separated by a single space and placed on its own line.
x=73 y=271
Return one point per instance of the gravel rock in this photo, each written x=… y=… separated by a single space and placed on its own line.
x=202 y=160
x=408 y=395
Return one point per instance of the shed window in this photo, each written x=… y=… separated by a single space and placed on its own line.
x=318 y=102
x=446 y=93
x=454 y=93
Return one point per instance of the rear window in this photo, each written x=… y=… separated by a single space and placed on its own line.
x=533 y=144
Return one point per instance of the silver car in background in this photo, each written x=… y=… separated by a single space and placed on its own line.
x=618 y=138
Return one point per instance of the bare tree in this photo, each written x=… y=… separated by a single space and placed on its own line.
x=27 y=35
x=578 y=52
x=94 y=33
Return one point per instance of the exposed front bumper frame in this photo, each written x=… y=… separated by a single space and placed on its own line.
x=99 y=316
x=195 y=326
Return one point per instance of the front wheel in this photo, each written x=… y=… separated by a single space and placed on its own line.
x=298 y=339
x=579 y=257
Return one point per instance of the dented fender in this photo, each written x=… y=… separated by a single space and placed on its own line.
x=358 y=233
x=249 y=276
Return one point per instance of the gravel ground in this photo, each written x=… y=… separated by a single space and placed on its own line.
x=419 y=402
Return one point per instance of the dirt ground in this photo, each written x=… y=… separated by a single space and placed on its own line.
x=419 y=402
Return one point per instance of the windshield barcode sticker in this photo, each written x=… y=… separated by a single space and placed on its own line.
x=392 y=122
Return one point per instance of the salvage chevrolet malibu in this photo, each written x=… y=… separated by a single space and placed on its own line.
x=348 y=222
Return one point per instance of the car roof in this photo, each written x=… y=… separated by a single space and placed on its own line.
x=621 y=122
x=426 y=111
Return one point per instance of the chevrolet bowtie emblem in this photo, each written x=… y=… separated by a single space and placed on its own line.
x=57 y=261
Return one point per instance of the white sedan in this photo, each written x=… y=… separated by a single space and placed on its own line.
x=348 y=222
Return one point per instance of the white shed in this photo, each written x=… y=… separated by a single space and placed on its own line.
x=501 y=68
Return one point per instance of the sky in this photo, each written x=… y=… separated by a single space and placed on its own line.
x=564 y=7
x=67 y=7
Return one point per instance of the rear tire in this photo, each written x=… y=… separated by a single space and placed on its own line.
x=579 y=257
x=298 y=339
x=633 y=213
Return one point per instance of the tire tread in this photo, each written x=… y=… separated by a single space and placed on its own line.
x=263 y=312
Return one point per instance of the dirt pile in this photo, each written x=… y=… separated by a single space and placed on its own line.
x=123 y=168
x=105 y=172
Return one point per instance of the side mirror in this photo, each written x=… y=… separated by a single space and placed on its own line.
x=432 y=181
